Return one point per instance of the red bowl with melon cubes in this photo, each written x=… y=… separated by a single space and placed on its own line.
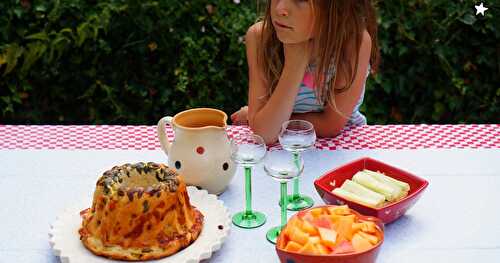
x=388 y=212
x=336 y=236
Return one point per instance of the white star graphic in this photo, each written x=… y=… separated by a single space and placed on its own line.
x=480 y=9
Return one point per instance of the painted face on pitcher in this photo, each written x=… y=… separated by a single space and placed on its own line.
x=292 y=20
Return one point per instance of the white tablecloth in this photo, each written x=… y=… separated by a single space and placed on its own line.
x=456 y=220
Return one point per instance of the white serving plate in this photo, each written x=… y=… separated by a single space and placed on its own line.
x=65 y=239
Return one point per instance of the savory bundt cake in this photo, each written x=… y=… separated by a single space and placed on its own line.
x=140 y=212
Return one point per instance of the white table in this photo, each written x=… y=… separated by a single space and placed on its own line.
x=456 y=220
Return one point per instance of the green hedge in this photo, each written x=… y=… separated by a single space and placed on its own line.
x=441 y=63
x=130 y=61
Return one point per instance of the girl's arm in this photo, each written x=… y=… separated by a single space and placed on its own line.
x=266 y=114
x=329 y=123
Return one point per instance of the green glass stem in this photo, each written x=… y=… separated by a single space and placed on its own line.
x=273 y=233
x=248 y=190
x=296 y=160
x=283 y=203
x=248 y=218
x=297 y=201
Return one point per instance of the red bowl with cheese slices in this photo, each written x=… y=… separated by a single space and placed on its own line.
x=387 y=213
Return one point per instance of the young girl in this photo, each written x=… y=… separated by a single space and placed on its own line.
x=308 y=60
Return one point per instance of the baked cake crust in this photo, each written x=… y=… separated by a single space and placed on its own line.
x=140 y=212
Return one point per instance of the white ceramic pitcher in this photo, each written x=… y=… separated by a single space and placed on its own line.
x=201 y=150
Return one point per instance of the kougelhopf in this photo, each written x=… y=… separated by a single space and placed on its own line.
x=140 y=212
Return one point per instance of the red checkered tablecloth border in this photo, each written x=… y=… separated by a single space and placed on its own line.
x=145 y=137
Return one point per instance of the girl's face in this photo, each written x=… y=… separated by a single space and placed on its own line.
x=292 y=20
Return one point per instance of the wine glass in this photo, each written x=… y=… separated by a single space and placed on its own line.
x=297 y=136
x=281 y=167
x=247 y=150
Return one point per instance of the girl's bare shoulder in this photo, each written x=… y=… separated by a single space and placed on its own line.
x=254 y=32
x=366 y=40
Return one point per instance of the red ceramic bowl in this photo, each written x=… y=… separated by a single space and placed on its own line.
x=367 y=256
x=388 y=213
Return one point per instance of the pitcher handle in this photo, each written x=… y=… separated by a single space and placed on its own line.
x=165 y=144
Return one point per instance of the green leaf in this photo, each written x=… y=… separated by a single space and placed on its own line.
x=41 y=7
x=81 y=32
x=14 y=51
x=34 y=52
x=96 y=32
x=18 y=12
x=438 y=110
x=39 y=36
x=402 y=50
x=9 y=106
x=54 y=13
x=60 y=39
x=67 y=30
x=468 y=19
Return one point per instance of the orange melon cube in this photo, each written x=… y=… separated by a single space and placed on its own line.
x=323 y=221
x=301 y=214
x=328 y=236
x=360 y=243
x=369 y=227
x=309 y=228
x=284 y=239
x=344 y=226
x=294 y=221
x=309 y=248
x=334 y=218
x=316 y=212
x=308 y=217
x=293 y=246
x=323 y=250
x=343 y=247
x=357 y=227
x=314 y=240
x=371 y=238
x=286 y=232
x=340 y=210
x=325 y=211
x=299 y=236
x=281 y=242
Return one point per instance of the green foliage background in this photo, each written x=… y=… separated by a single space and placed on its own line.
x=132 y=62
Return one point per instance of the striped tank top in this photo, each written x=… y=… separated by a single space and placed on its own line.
x=306 y=100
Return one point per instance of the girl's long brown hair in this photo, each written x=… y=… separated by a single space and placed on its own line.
x=338 y=32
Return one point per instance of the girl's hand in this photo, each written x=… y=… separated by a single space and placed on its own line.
x=298 y=54
x=240 y=117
